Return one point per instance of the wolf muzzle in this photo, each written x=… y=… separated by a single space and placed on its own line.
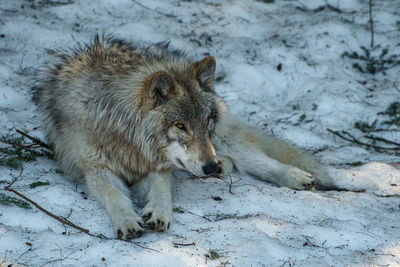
x=212 y=168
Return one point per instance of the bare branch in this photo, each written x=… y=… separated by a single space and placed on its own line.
x=381 y=139
x=350 y=138
x=159 y=12
x=205 y=218
x=371 y=23
x=234 y=216
x=184 y=244
x=16 y=178
x=37 y=141
x=63 y=221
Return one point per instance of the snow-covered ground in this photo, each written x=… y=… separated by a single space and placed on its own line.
x=256 y=224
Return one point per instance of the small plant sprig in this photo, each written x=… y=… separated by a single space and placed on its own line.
x=11 y=201
x=387 y=118
x=38 y=183
x=16 y=150
x=368 y=61
x=393 y=111
x=212 y=254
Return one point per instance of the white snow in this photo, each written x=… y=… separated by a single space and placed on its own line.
x=258 y=224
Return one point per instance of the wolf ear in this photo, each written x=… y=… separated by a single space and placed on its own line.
x=158 y=86
x=204 y=70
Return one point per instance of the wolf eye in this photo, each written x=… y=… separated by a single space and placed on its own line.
x=180 y=126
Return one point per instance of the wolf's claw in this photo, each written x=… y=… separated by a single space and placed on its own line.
x=129 y=233
x=298 y=179
x=157 y=220
x=128 y=228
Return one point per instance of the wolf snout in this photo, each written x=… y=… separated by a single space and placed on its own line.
x=212 y=168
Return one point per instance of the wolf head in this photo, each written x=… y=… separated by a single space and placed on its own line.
x=183 y=97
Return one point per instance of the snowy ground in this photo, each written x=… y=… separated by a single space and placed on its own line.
x=257 y=224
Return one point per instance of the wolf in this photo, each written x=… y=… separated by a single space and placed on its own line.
x=126 y=116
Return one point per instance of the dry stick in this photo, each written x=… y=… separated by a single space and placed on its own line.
x=16 y=177
x=148 y=8
x=195 y=214
x=65 y=221
x=371 y=23
x=184 y=245
x=380 y=130
x=230 y=183
x=40 y=143
x=221 y=217
x=352 y=139
x=381 y=139
x=31 y=146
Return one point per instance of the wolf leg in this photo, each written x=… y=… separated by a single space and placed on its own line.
x=113 y=195
x=156 y=190
x=242 y=148
x=249 y=160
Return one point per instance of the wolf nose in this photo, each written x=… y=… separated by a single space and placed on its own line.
x=211 y=168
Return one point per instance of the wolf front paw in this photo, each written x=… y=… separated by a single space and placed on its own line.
x=297 y=179
x=156 y=217
x=128 y=228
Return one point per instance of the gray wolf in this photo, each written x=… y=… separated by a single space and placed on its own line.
x=125 y=117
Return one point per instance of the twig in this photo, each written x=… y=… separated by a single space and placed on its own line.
x=56 y=3
x=59 y=259
x=184 y=245
x=31 y=146
x=51 y=261
x=381 y=139
x=380 y=130
x=288 y=261
x=69 y=214
x=322 y=149
x=138 y=244
x=30 y=249
x=37 y=141
x=309 y=242
x=159 y=12
x=205 y=218
x=221 y=217
x=230 y=183
x=63 y=221
x=16 y=178
x=371 y=23
x=352 y=139
x=201 y=230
